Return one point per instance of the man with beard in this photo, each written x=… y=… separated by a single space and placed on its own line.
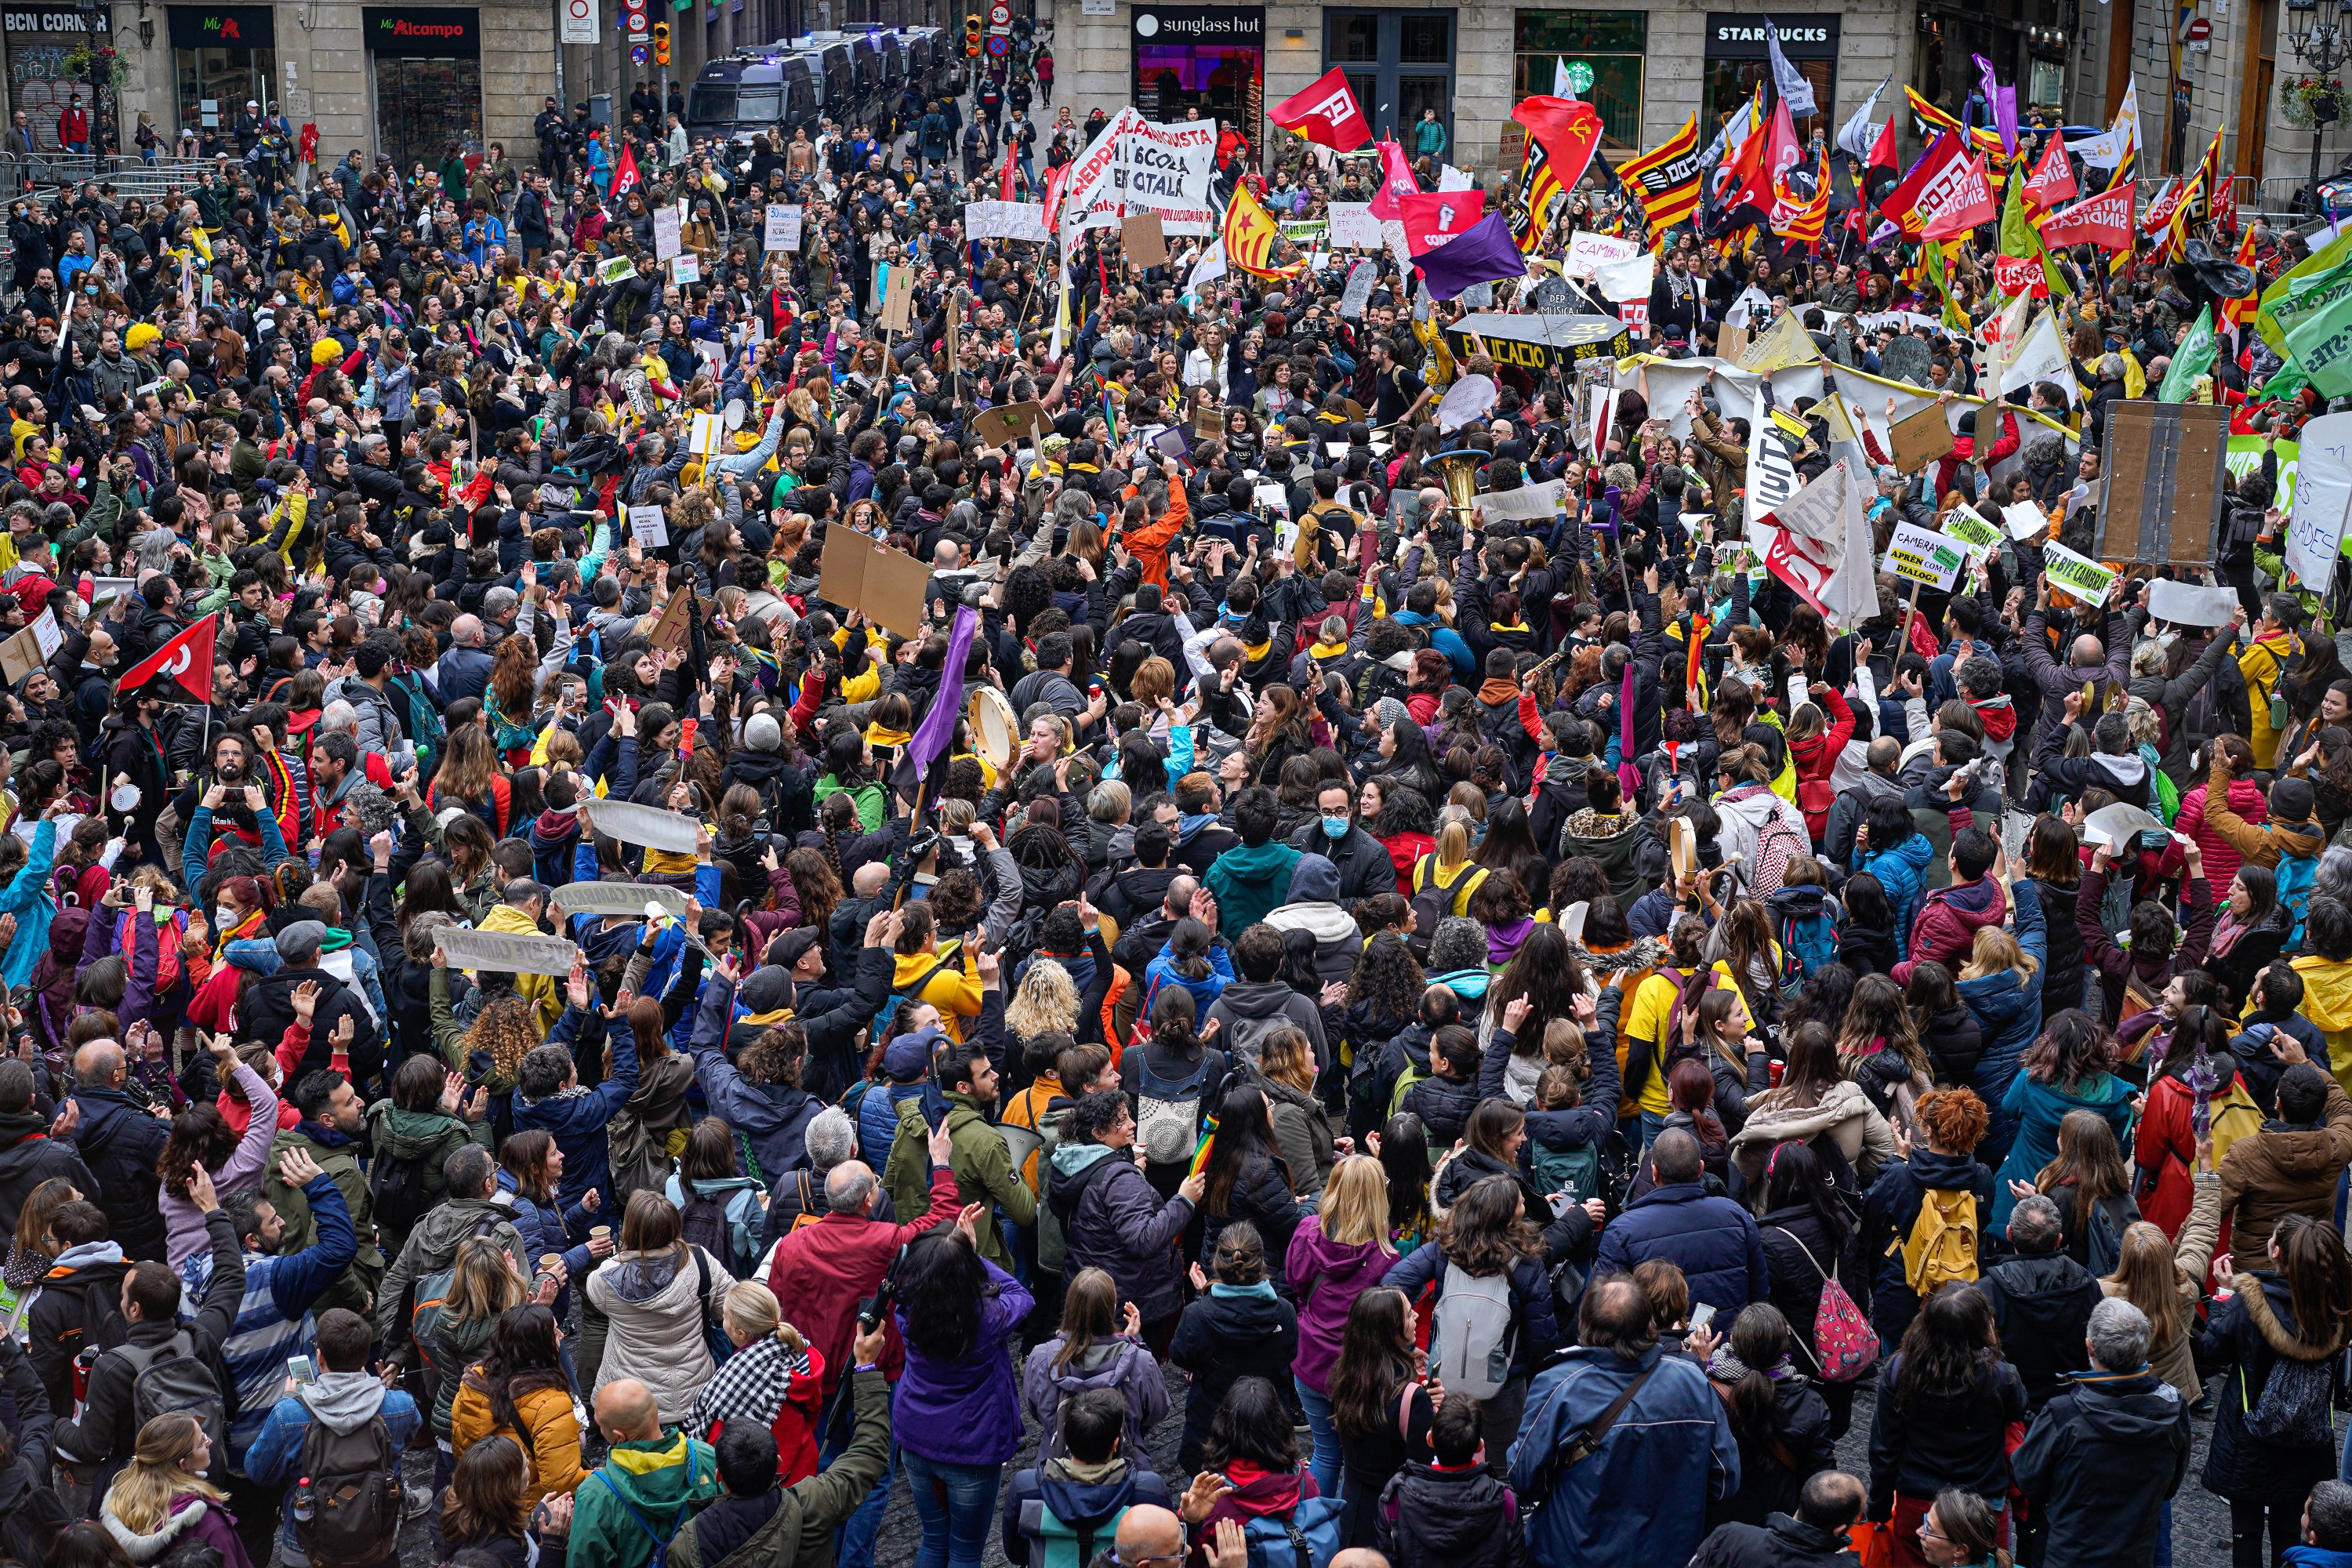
x=273 y=1320
x=981 y=1160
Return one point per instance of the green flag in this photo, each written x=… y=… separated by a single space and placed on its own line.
x=2020 y=240
x=2320 y=344
x=1954 y=318
x=2306 y=289
x=2193 y=358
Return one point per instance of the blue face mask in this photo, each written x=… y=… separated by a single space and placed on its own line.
x=1335 y=827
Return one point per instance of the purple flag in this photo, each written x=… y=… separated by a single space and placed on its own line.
x=930 y=737
x=1482 y=253
x=2000 y=101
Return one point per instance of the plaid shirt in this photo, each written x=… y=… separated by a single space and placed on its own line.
x=752 y=1385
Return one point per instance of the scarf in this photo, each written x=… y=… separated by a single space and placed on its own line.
x=553 y=824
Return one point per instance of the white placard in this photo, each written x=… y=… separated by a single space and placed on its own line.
x=686 y=268
x=2119 y=823
x=618 y=899
x=707 y=432
x=507 y=951
x=649 y=526
x=2189 y=605
x=1005 y=220
x=1541 y=501
x=2322 y=498
x=2024 y=520
x=1924 y=556
x=1587 y=251
x=783 y=229
x=667 y=242
x=1449 y=178
x=48 y=634
x=1353 y=227
x=1271 y=498
x=671 y=832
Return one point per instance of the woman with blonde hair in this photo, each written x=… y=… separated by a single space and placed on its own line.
x=1336 y=1255
x=1100 y=1345
x=483 y=1286
x=2145 y=1277
x=161 y=1498
x=1450 y=869
x=658 y=1294
x=1045 y=1002
x=774 y=1372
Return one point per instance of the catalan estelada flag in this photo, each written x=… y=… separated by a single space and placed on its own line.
x=2236 y=314
x=1666 y=178
x=1539 y=193
x=1935 y=116
x=1249 y=233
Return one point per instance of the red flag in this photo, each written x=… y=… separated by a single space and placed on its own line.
x=1881 y=152
x=2224 y=201
x=1922 y=188
x=1058 y=181
x=1325 y=113
x=1396 y=181
x=1967 y=203
x=1569 y=132
x=624 y=177
x=2159 y=212
x=2105 y=220
x=2052 y=180
x=1433 y=217
x=187 y=659
x=1005 y=183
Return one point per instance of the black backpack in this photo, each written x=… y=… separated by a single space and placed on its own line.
x=396 y=1191
x=703 y=1221
x=352 y=1488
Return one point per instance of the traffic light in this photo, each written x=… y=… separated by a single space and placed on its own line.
x=661 y=43
x=972 y=36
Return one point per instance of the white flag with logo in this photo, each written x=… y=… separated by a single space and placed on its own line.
x=1787 y=80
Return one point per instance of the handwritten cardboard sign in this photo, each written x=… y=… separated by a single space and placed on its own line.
x=1923 y=438
x=507 y=952
x=887 y=584
x=1002 y=426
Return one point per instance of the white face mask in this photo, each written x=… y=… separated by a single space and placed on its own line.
x=225 y=919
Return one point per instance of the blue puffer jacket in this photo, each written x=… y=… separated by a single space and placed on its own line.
x=2009 y=1015
x=1902 y=871
x=1714 y=1241
x=1644 y=1496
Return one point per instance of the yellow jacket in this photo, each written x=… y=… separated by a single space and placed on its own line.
x=2260 y=665
x=551 y=1443
x=2327 y=1003
x=540 y=988
x=954 y=990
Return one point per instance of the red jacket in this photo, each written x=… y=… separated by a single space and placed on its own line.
x=73 y=125
x=2222 y=856
x=827 y=1268
x=1815 y=756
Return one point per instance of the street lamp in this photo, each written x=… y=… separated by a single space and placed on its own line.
x=2320 y=34
x=96 y=15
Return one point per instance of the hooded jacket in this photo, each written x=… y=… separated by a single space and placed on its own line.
x=656 y=1306
x=964 y=1412
x=1114 y=1220
x=1948 y=920
x=119 y=1143
x=1250 y=880
x=108 y=1429
x=345 y=1402
x=1119 y=1365
x=1327 y=1277
x=779 y=1529
x=427 y=1137
x=1888 y=1211
x=1713 y=1240
x=29 y=1156
x=2245 y=1338
x=78 y=1308
x=1614 y=843
x=2125 y=775
x=661 y=1481
x=1780 y=1542
x=1247 y=1009
x=2041 y=1305
x=1848 y=811
x=1844 y=1112
x=1339 y=941
x=773 y=1116
x=1919 y=1446
x=432 y=1246
x=981 y=1160
x=2100 y=1459
x=1233 y=1331
x=2284 y=1169
x=1463 y=1518
x=1902 y=870
x=194 y=1519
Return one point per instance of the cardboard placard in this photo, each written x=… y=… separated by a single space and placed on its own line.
x=898 y=306
x=1003 y=425
x=2166 y=469
x=618 y=898
x=1923 y=438
x=21 y=655
x=508 y=953
x=1730 y=341
x=1142 y=241
x=886 y=584
x=672 y=625
x=1208 y=422
x=672 y=832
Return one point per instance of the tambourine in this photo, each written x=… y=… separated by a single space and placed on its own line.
x=995 y=727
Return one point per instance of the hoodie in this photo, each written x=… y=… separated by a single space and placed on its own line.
x=1249 y=1010
x=193 y=1517
x=652 y=1485
x=2098 y=1463
x=342 y=1402
x=2041 y=1305
x=1085 y=1498
x=1249 y=881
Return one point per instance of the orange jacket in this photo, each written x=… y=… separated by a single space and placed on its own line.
x=1148 y=544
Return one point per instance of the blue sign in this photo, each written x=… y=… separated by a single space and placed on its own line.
x=636 y=54
x=1000 y=45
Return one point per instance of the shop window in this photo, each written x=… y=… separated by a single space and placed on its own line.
x=1604 y=52
x=1398 y=63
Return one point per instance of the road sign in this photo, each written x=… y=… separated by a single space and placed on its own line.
x=999 y=14
x=2199 y=30
x=999 y=45
x=637 y=54
x=580 y=22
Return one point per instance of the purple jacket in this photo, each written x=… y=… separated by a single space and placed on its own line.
x=1120 y=1365
x=1326 y=1277
x=963 y=1412
x=242 y=1172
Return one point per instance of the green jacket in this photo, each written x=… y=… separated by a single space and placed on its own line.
x=341 y=1162
x=426 y=1136
x=800 y=1533
x=982 y=1166
x=666 y=1480
x=1250 y=882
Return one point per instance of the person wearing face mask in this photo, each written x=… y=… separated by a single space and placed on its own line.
x=1359 y=863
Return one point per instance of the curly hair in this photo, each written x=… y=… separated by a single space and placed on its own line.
x=507 y=1030
x=1955 y=1118
x=1388 y=977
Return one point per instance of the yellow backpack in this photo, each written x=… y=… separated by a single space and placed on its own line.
x=1942 y=1245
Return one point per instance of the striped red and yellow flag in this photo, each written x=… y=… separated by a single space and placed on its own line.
x=1801 y=219
x=1666 y=179
x=1935 y=116
x=1249 y=233
x=1539 y=194
x=2236 y=314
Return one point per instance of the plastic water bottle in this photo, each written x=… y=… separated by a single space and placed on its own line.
x=303 y=1508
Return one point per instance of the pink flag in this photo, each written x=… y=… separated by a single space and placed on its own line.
x=1396 y=180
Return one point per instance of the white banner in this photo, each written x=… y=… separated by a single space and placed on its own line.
x=1541 y=501
x=668 y=831
x=618 y=899
x=783 y=230
x=2322 y=498
x=1006 y=220
x=507 y=953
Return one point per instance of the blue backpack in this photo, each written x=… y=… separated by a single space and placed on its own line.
x=1309 y=1537
x=1807 y=942
x=2294 y=873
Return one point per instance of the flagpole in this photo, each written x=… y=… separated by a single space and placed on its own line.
x=1910 y=613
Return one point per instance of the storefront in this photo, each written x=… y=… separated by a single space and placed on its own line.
x=1400 y=65
x=221 y=57
x=1602 y=51
x=1209 y=57
x=427 y=67
x=41 y=82
x=1737 y=58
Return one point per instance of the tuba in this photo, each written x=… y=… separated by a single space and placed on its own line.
x=1458 y=471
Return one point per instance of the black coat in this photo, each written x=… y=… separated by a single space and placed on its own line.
x=2099 y=1460
x=1365 y=868
x=2244 y=1339
x=266 y=1010
x=31 y=1159
x=119 y=1143
x=2041 y=1306
x=1221 y=1340
x=1772 y=1474
x=1780 y=1542
x=108 y=1426
x=1431 y=1518
x=1796 y=1249
x=1262 y=1195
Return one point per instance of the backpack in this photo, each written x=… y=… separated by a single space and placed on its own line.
x=169 y=1377
x=1807 y=942
x=427 y=1295
x=640 y=1162
x=1309 y=1537
x=1576 y=1172
x=396 y=1191
x=2296 y=1405
x=1942 y=1245
x=1432 y=901
x=420 y=721
x=1474 y=1333
x=1777 y=843
x=703 y=1222
x=811 y=1211
x=352 y=1485
x=1844 y=1345
x=2294 y=873
x=2103 y=1232
x=1060 y=1543
x=1168 y=1110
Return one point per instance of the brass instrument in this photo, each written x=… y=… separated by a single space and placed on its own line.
x=1458 y=471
